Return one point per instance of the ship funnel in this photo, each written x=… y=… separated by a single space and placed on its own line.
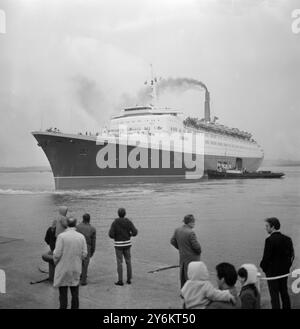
x=183 y=84
x=207 y=106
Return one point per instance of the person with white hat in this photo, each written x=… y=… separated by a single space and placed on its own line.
x=249 y=295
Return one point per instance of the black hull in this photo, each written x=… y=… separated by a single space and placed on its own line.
x=247 y=175
x=73 y=162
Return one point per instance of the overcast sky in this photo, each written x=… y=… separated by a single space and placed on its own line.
x=72 y=64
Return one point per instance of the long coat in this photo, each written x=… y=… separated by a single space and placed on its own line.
x=89 y=232
x=185 y=240
x=69 y=252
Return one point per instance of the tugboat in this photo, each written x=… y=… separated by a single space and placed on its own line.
x=242 y=174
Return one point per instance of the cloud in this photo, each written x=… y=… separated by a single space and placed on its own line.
x=87 y=93
x=72 y=64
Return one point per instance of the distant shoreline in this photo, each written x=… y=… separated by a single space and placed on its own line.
x=281 y=163
x=25 y=169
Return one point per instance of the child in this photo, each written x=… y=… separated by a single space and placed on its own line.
x=249 y=294
x=198 y=292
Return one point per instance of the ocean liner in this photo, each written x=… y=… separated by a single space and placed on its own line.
x=148 y=144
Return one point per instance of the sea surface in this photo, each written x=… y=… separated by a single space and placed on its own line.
x=229 y=213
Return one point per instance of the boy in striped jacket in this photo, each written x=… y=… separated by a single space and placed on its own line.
x=121 y=230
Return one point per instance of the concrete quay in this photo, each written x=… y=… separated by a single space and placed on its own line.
x=21 y=261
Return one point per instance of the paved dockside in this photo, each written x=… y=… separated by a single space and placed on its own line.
x=21 y=259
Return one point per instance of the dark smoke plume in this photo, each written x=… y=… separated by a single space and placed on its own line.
x=183 y=84
x=179 y=84
x=164 y=85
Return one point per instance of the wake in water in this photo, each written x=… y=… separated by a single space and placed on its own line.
x=126 y=190
x=83 y=193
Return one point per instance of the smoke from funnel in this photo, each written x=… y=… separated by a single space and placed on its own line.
x=142 y=97
x=183 y=84
x=180 y=83
x=87 y=94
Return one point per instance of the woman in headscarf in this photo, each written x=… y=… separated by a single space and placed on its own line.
x=249 y=295
x=198 y=291
x=61 y=223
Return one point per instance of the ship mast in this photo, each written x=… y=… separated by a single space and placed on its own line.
x=153 y=84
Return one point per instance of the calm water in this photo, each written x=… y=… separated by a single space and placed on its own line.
x=229 y=213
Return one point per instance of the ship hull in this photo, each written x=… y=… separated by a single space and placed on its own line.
x=73 y=162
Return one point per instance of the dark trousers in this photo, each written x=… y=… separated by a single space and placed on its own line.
x=48 y=257
x=85 y=265
x=63 y=297
x=120 y=252
x=183 y=273
x=279 y=288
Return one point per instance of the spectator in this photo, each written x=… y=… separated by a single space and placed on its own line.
x=277 y=260
x=198 y=291
x=185 y=240
x=69 y=252
x=121 y=230
x=89 y=233
x=61 y=223
x=249 y=295
x=50 y=239
x=226 y=277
